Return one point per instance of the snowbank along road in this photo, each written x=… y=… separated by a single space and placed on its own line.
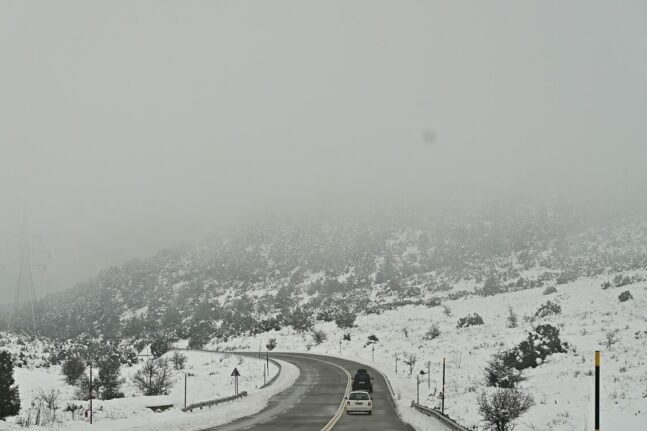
x=316 y=401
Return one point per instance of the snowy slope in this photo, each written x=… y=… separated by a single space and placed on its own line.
x=562 y=386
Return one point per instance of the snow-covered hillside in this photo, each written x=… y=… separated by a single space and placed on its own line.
x=591 y=319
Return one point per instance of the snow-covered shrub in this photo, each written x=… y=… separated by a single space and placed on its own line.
x=540 y=344
x=271 y=344
x=470 y=320
x=319 y=336
x=347 y=336
x=500 y=370
x=621 y=280
x=549 y=290
x=372 y=339
x=432 y=333
x=345 y=319
x=548 y=308
x=625 y=296
x=500 y=408
x=72 y=369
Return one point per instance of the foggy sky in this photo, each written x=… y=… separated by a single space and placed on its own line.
x=127 y=127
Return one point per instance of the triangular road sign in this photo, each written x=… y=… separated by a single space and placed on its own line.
x=235 y=373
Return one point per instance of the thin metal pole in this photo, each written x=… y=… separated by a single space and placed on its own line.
x=184 y=389
x=429 y=374
x=597 y=390
x=417 y=389
x=396 y=363
x=373 y=352
x=267 y=361
x=442 y=406
x=340 y=347
x=90 y=392
x=264 y=376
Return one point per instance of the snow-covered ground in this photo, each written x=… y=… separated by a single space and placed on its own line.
x=562 y=387
x=208 y=377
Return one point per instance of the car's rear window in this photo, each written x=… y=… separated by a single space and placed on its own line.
x=358 y=396
x=359 y=376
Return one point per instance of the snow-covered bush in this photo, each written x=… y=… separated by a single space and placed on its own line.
x=470 y=320
x=540 y=344
x=500 y=370
x=548 y=308
x=625 y=296
x=549 y=290
x=500 y=408
x=319 y=336
x=345 y=319
x=271 y=344
x=432 y=333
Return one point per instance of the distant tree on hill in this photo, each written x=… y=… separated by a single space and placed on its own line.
x=9 y=396
x=271 y=344
x=470 y=320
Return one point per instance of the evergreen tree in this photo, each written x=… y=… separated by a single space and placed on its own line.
x=109 y=379
x=9 y=397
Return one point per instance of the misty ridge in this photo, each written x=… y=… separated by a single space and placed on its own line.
x=291 y=272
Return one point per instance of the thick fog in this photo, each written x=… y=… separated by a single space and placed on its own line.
x=127 y=127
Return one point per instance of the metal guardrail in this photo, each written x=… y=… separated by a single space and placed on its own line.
x=439 y=416
x=210 y=403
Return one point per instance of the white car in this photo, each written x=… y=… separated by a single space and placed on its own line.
x=359 y=401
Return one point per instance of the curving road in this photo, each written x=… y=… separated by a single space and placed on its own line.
x=315 y=398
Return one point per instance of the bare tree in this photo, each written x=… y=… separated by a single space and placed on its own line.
x=410 y=360
x=501 y=407
x=179 y=360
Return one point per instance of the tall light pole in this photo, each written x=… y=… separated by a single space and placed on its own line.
x=90 y=392
x=442 y=405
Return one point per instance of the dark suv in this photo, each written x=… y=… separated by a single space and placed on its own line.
x=362 y=381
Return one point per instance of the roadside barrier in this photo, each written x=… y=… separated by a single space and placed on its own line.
x=439 y=416
x=211 y=403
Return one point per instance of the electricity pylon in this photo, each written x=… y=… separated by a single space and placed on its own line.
x=25 y=247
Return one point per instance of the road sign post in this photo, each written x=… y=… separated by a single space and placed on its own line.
x=235 y=374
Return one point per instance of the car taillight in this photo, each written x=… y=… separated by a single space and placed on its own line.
x=369 y=404
x=347 y=403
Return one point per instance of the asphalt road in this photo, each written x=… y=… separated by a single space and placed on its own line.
x=315 y=397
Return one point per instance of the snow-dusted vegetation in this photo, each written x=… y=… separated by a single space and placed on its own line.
x=591 y=318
